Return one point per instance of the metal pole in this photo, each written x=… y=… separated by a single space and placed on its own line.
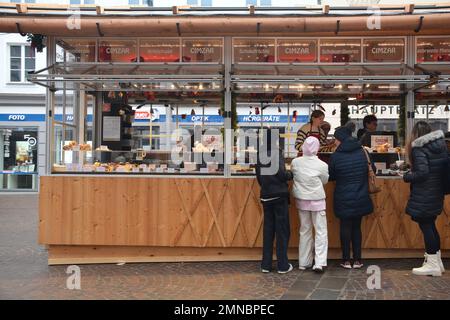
x=228 y=136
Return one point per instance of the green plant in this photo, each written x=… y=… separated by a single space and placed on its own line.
x=37 y=41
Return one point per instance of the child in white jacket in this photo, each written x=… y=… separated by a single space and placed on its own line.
x=310 y=176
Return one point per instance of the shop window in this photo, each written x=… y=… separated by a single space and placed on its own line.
x=18 y=158
x=75 y=50
x=22 y=60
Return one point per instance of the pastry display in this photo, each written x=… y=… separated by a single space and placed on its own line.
x=73 y=145
x=383 y=148
x=70 y=145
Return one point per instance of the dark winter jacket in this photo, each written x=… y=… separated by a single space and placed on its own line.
x=275 y=184
x=429 y=161
x=348 y=167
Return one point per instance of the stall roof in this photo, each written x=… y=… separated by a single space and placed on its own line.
x=130 y=77
x=195 y=21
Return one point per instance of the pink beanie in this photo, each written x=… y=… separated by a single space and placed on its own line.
x=311 y=146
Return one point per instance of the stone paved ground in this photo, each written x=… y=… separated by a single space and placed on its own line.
x=24 y=274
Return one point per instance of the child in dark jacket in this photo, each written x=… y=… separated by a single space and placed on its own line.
x=273 y=179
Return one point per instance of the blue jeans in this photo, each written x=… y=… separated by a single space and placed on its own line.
x=276 y=223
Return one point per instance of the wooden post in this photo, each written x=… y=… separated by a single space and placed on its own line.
x=409 y=8
x=100 y=9
x=251 y=9
x=326 y=9
x=174 y=10
x=22 y=8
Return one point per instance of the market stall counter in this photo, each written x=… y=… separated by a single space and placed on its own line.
x=110 y=219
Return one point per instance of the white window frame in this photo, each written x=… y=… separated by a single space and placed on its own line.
x=21 y=1
x=81 y=2
x=141 y=3
x=23 y=80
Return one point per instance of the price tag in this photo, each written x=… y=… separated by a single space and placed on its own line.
x=100 y=169
x=204 y=170
x=183 y=170
x=120 y=169
x=142 y=166
x=135 y=169
x=159 y=170
x=171 y=170
x=146 y=169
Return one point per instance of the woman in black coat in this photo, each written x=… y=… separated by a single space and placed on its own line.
x=349 y=168
x=427 y=153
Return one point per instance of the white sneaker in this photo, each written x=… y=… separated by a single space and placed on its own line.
x=288 y=270
x=265 y=271
x=303 y=268
x=430 y=267
x=318 y=269
x=441 y=264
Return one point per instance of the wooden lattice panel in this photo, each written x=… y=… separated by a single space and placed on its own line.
x=195 y=212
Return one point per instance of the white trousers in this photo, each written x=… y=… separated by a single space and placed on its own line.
x=308 y=219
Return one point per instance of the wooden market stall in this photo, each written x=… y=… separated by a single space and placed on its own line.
x=97 y=209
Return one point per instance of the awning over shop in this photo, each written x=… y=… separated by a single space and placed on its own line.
x=59 y=20
x=377 y=81
x=130 y=77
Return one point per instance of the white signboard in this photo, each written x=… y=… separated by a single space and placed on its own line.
x=111 y=128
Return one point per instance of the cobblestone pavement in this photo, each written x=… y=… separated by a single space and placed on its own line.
x=24 y=273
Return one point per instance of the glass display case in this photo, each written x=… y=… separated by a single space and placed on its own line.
x=119 y=132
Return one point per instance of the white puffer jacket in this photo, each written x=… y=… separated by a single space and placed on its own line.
x=310 y=173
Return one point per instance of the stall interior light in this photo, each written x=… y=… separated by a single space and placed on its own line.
x=351 y=98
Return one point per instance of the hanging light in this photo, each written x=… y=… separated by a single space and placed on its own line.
x=446 y=109
x=256 y=110
x=294 y=116
x=279 y=109
x=334 y=112
x=192 y=112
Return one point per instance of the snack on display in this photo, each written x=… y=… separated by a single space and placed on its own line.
x=69 y=146
x=59 y=168
x=72 y=145
x=383 y=148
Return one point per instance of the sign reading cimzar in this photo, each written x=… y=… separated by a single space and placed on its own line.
x=384 y=50
x=297 y=50
x=207 y=50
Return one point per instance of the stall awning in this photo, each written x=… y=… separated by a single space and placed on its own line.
x=130 y=77
x=327 y=79
x=179 y=21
